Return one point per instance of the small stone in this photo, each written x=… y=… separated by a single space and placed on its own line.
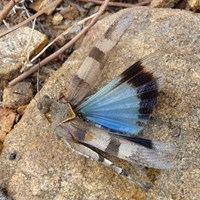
x=164 y=3
x=16 y=47
x=88 y=5
x=18 y=95
x=7 y=119
x=21 y=109
x=40 y=4
x=71 y=13
x=57 y=19
x=13 y=155
x=194 y=5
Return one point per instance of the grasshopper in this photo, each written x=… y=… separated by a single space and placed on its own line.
x=109 y=120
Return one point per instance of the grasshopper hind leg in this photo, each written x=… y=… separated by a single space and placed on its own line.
x=90 y=153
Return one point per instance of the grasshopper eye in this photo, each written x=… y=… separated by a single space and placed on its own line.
x=44 y=104
x=42 y=107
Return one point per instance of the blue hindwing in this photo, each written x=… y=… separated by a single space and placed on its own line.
x=125 y=104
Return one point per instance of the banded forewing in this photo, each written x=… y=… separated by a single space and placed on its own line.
x=138 y=151
x=93 y=64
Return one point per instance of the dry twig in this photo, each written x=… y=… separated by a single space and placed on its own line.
x=7 y=9
x=62 y=34
x=53 y=4
x=62 y=49
x=119 y=4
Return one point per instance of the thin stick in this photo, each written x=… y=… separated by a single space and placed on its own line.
x=40 y=12
x=119 y=4
x=7 y=9
x=38 y=74
x=62 y=49
x=62 y=34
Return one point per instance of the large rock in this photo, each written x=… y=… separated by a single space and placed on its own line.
x=44 y=168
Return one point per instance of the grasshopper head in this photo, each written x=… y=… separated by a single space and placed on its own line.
x=55 y=111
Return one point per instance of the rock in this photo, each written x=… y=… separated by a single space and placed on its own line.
x=45 y=168
x=194 y=5
x=15 y=48
x=70 y=12
x=7 y=119
x=40 y=4
x=163 y=3
x=21 y=109
x=3 y=195
x=57 y=19
x=18 y=95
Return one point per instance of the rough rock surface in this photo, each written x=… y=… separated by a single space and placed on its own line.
x=18 y=95
x=45 y=168
x=7 y=119
x=16 y=47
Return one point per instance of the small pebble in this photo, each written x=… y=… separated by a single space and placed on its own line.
x=18 y=95
x=57 y=19
x=13 y=156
